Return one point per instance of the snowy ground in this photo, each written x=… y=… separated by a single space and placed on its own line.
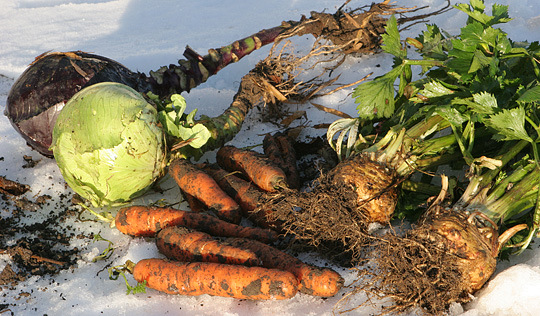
x=144 y=35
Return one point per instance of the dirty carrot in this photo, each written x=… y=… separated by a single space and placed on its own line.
x=289 y=157
x=148 y=220
x=279 y=149
x=194 y=204
x=184 y=244
x=271 y=149
x=312 y=280
x=264 y=173
x=204 y=188
x=247 y=195
x=197 y=278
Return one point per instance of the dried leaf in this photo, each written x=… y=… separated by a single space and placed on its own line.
x=289 y=119
x=331 y=111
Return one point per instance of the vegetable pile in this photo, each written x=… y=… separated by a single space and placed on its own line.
x=485 y=88
x=473 y=109
x=82 y=137
x=67 y=76
x=241 y=264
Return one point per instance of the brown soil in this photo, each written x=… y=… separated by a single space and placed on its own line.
x=41 y=248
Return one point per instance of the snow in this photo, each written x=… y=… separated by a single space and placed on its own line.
x=144 y=35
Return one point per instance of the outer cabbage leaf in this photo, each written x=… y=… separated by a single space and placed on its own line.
x=108 y=144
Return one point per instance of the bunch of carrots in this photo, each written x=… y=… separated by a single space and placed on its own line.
x=215 y=255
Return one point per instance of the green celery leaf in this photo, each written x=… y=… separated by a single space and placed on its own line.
x=509 y=124
x=530 y=95
x=478 y=5
x=481 y=103
x=435 y=89
x=497 y=40
x=503 y=44
x=491 y=36
x=391 y=40
x=452 y=115
x=375 y=98
x=460 y=62
x=463 y=46
x=500 y=14
x=472 y=35
x=479 y=61
x=432 y=41
x=475 y=11
x=484 y=103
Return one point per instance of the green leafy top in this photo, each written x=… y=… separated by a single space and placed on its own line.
x=179 y=125
x=479 y=82
x=509 y=125
x=480 y=59
x=391 y=40
x=475 y=10
x=376 y=98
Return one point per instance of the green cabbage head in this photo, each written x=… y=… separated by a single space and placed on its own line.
x=108 y=144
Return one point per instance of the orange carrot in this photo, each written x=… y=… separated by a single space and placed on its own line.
x=264 y=173
x=278 y=149
x=194 y=204
x=272 y=149
x=147 y=221
x=247 y=195
x=197 y=278
x=184 y=244
x=312 y=280
x=204 y=188
x=289 y=158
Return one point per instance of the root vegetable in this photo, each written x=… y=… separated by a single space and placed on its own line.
x=183 y=244
x=198 y=278
x=444 y=260
x=194 y=204
x=249 y=197
x=373 y=183
x=452 y=252
x=147 y=221
x=203 y=187
x=475 y=248
x=361 y=190
x=278 y=148
x=312 y=280
x=265 y=174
